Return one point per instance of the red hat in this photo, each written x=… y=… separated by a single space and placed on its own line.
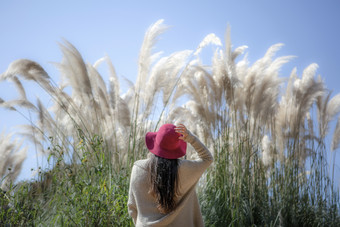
x=165 y=142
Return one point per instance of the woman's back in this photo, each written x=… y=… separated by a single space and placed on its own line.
x=143 y=204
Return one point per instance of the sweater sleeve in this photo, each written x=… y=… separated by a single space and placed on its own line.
x=192 y=170
x=202 y=151
x=132 y=207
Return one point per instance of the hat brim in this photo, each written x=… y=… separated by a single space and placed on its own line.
x=154 y=148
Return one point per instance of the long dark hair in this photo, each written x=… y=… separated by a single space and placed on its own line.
x=164 y=182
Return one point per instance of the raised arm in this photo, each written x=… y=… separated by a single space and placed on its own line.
x=192 y=170
x=202 y=151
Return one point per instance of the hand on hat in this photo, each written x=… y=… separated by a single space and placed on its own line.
x=181 y=129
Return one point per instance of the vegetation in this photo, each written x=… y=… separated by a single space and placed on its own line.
x=271 y=163
x=86 y=193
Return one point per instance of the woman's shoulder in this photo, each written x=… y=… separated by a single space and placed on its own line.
x=143 y=164
x=139 y=173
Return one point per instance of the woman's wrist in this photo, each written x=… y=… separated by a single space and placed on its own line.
x=190 y=138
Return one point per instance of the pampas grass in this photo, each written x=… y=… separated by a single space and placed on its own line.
x=263 y=137
x=12 y=155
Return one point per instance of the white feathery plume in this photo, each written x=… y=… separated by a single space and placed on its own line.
x=74 y=70
x=306 y=81
x=99 y=91
x=307 y=90
x=154 y=85
x=308 y=75
x=20 y=103
x=114 y=88
x=6 y=148
x=218 y=67
x=104 y=102
x=145 y=57
x=3 y=104
x=218 y=75
x=190 y=86
x=29 y=135
x=306 y=99
x=96 y=80
x=336 y=136
x=11 y=159
x=291 y=83
x=261 y=85
x=164 y=76
x=267 y=59
x=327 y=110
x=20 y=87
x=112 y=92
x=266 y=154
x=98 y=62
x=179 y=115
x=155 y=56
x=276 y=65
x=30 y=70
x=286 y=112
x=209 y=39
x=123 y=112
x=211 y=92
x=129 y=95
x=310 y=124
x=186 y=74
x=175 y=64
x=238 y=51
x=231 y=78
x=47 y=125
x=295 y=105
x=228 y=46
x=333 y=107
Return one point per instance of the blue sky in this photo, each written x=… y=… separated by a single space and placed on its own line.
x=33 y=29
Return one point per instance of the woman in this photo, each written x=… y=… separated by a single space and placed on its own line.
x=162 y=187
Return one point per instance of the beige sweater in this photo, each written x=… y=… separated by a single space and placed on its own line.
x=142 y=205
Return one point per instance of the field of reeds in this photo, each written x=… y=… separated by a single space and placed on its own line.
x=266 y=132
